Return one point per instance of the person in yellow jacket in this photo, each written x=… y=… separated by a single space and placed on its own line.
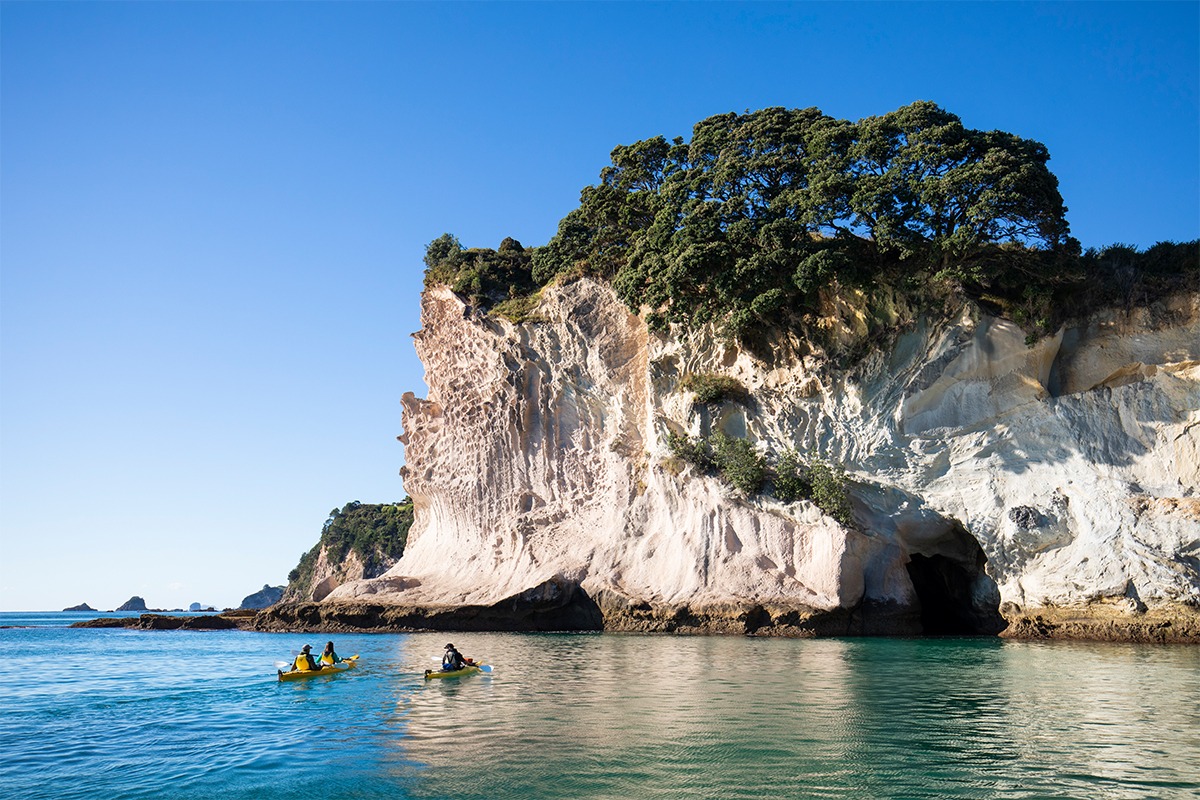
x=304 y=661
x=329 y=657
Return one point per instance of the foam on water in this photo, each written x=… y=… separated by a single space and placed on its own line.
x=165 y=714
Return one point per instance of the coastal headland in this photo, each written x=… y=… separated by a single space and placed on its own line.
x=722 y=401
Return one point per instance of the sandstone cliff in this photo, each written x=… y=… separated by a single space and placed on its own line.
x=1053 y=485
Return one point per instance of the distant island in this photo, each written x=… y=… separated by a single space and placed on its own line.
x=80 y=607
x=134 y=603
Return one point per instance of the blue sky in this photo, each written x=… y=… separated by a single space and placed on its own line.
x=212 y=218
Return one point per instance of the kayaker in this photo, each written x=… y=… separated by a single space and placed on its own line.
x=329 y=656
x=304 y=661
x=453 y=660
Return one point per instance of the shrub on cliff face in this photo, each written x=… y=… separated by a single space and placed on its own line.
x=735 y=460
x=710 y=387
x=829 y=490
x=791 y=481
x=739 y=462
x=823 y=484
x=693 y=451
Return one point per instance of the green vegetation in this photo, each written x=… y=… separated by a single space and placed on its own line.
x=739 y=462
x=829 y=490
x=519 y=309
x=377 y=534
x=742 y=465
x=485 y=276
x=763 y=215
x=791 y=478
x=712 y=388
x=735 y=460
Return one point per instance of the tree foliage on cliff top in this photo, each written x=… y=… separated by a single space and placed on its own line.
x=376 y=533
x=745 y=224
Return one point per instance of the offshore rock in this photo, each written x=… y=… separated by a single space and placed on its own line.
x=990 y=479
x=159 y=622
x=80 y=607
x=134 y=603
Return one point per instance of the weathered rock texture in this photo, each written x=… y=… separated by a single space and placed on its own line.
x=986 y=474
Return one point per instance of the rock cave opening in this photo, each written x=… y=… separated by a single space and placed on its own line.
x=955 y=595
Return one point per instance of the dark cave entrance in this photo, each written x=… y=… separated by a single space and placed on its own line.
x=956 y=597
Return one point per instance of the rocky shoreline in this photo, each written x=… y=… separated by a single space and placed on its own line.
x=567 y=608
x=1096 y=623
x=1180 y=625
x=229 y=620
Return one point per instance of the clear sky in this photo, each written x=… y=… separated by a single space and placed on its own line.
x=212 y=218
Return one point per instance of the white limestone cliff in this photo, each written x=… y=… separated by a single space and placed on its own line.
x=540 y=454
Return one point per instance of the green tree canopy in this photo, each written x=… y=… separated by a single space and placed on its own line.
x=748 y=222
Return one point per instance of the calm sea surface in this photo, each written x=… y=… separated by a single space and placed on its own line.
x=112 y=714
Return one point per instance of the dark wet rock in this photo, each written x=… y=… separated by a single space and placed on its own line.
x=134 y=603
x=1026 y=517
x=159 y=622
x=80 y=607
x=552 y=606
x=559 y=605
x=1104 y=622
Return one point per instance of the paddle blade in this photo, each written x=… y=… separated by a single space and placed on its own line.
x=485 y=667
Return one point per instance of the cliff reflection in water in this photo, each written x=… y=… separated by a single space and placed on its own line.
x=639 y=716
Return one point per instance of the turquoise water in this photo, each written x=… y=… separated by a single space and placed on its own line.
x=176 y=714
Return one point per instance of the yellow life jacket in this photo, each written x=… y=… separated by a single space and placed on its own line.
x=327 y=658
x=301 y=663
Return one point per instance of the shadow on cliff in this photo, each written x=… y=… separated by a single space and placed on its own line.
x=556 y=605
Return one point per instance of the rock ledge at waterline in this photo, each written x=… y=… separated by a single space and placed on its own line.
x=993 y=483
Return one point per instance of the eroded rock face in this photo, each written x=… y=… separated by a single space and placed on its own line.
x=984 y=470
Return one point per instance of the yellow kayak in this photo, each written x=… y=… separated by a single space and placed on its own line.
x=454 y=673
x=325 y=669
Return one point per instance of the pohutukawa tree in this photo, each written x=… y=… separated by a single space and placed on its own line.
x=748 y=221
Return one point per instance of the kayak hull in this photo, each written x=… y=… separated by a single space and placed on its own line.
x=454 y=673
x=328 y=669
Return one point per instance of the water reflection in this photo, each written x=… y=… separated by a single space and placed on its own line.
x=647 y=717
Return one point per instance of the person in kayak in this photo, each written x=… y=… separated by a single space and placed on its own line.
x=304 y=661
x=453 y=660
x=328 y=656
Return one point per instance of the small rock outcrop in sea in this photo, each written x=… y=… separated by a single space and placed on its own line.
x=80 y=607
x=267 y=596
x=992 y=482
x=134 y=603
x=160 y=622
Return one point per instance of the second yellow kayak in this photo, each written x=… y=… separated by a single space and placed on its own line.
x=454 y=673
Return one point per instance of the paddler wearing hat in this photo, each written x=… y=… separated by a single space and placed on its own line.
x=304 y=661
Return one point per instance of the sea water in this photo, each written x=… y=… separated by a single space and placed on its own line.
x=111 y=714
